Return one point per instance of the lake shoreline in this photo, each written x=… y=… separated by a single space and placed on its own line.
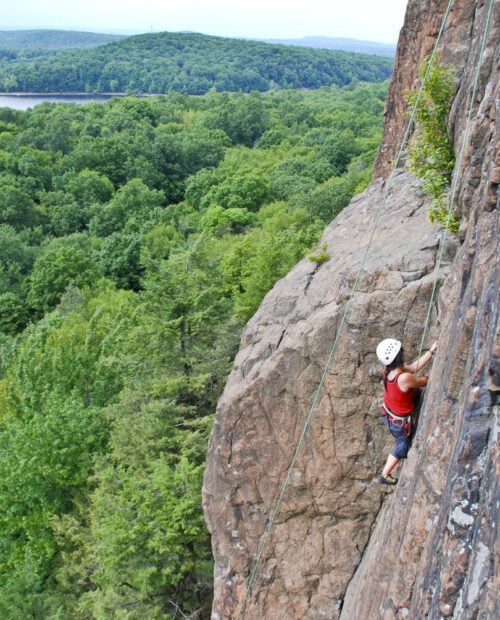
x=77 y=94
x=25 y=101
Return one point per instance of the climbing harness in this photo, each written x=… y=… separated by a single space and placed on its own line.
x=271 y=520
x=403 y=421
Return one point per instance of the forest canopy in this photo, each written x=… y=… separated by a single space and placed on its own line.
x=186 y=63
x=136 y=239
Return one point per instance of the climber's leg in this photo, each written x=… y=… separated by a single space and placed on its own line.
x=391 y=463
x=400 y=451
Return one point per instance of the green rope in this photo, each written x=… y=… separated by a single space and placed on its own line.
x=458 y=168
x=275 y=512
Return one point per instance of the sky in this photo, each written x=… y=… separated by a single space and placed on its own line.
x=371 y=20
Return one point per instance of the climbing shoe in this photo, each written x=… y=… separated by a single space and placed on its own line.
x=388 y=479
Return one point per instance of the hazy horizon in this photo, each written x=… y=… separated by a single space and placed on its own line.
x=378 y=22
x=131 y=33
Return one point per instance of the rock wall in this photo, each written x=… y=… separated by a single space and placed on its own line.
x=341 y=546
x=434 y=550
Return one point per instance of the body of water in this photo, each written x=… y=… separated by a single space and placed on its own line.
x=23 y=102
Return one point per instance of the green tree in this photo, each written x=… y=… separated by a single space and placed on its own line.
x=158 y=242
x=51 y=427
x=14 y=314
x=16 y=206
x=63 y=262
x=35 y=169
x=328 y=199
x=16 y=259
x=105 y=155
x=187 y=292
x=243 y=119
x=64 y=215
x=222 y=221
x=134 y=199
x=150 y=555
x=178 y=154
x=119 y=259
x=88 y=187
x=188 y=63
x=256 y=260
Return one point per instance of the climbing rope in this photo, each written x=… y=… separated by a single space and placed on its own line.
x=276 y=510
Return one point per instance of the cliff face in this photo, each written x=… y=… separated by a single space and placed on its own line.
x=434 y=550
x=341 y=545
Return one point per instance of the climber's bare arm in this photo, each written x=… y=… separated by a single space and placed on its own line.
x=407 y=380
x=422 y=361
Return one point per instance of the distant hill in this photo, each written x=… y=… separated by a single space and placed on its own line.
x=53 y=39
x=347 y=45
x=189 y=63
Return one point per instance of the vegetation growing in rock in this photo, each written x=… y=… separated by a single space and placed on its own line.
x=136 y=238
x=321 y=255
x=431 y=152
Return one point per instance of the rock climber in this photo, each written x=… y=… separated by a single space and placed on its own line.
x=401 y=390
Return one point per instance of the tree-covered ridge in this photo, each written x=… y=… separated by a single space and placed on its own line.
x=136 y=239
x=53 y=39
x=187 y=63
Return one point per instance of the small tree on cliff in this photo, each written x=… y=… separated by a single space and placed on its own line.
x=431 y=153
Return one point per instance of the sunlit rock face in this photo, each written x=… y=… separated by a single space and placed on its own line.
x=341 y=545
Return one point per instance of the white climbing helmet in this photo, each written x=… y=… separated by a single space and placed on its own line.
x=387 y=350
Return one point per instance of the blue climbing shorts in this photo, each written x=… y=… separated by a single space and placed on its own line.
x=402 y=440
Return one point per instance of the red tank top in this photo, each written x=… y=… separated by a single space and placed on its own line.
x=399 y=402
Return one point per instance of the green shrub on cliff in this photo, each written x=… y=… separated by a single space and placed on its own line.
x=432 y=156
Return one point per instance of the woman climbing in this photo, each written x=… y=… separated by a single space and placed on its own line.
x=401 y=389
